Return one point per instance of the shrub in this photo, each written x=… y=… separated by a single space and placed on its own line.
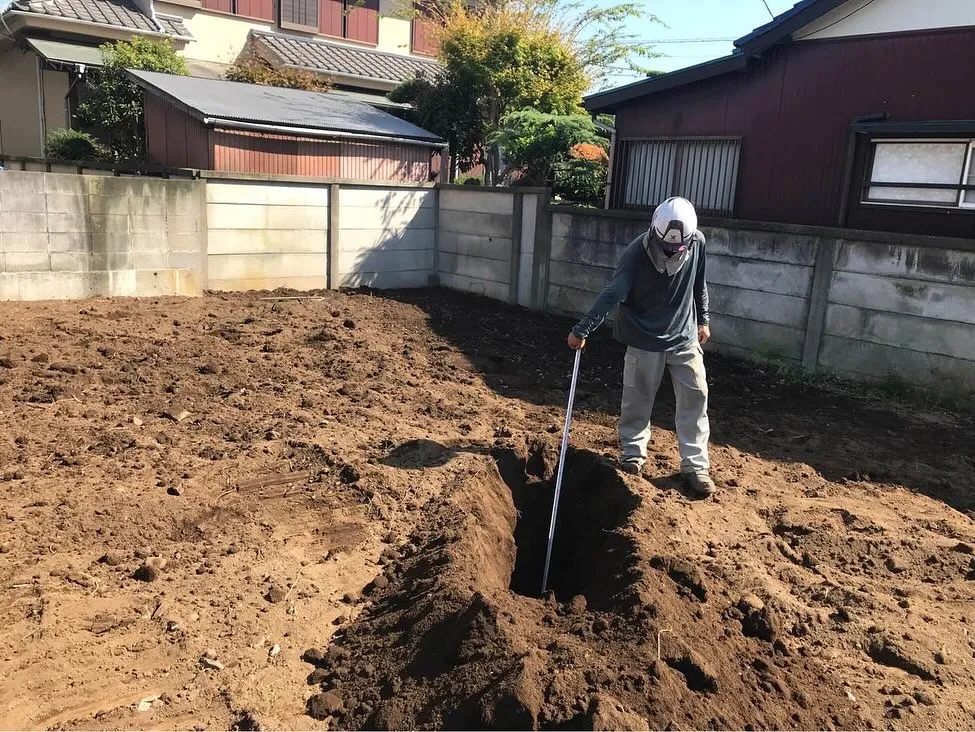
x=256 y=70
x=74 y=145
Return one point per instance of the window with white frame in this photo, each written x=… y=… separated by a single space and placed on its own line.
x=703 y=170
x=928 y=172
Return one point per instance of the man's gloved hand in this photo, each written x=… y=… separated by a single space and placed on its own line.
x=575 y=342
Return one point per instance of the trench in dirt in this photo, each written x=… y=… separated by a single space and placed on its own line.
x=590 y=555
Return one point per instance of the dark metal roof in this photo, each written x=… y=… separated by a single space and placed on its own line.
x=785 y=24
x=334 y=58
x=119 y=13
x=290 y=109
x=607 y=100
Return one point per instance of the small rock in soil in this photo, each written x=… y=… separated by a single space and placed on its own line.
x=341 y=620
x=213 y=663
x=577 y=605
x=750 y=603
x=964 y=548
x=176 y=413
x=41 y=358
x=6 y=363
x=377 y=584
x=147 y=573
x=319 y=676
x=896 y=565
x=323 y=706
x=349 y=598
x=390 y=538
x=315 y=657
x=112 y=559
x=349 y=323
x=174 y=490
x=275 y=594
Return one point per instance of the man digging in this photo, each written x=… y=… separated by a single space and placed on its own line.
x=662 y=294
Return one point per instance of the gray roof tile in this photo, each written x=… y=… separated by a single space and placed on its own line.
x=119 y=13
x=326 y=57
x=173 y=25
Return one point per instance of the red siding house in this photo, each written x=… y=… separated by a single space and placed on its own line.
x=847 y=113
x=246 y=128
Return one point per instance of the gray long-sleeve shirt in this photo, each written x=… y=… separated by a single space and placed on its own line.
x=657 y=311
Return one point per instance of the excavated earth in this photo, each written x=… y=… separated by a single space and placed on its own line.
x=331 y=512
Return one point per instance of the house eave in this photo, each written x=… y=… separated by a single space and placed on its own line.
x=608 y=100
x=19 y=20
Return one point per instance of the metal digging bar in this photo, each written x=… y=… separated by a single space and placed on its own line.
x=558 y=475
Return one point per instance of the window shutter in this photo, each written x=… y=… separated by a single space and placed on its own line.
x=330 y=16
x=299 y=15
x=222 y=6
x=362 y=20
x=424 y=39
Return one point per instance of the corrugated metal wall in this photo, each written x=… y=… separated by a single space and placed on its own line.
x=794 y=106
x=176 y=139
x=384 y=161
x=238 y=151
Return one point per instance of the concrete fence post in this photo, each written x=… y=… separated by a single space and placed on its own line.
x=543 y=252
x=517 y=217
x=332 y=237
x=818 y=300
x=434 y=279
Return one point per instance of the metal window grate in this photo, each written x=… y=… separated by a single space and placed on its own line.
x=703 y=170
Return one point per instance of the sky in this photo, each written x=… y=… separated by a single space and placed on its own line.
x=696 y=19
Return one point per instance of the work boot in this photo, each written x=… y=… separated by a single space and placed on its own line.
x=633 y=466
x=700 y=483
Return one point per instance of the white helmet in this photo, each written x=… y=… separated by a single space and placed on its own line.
x=674 y=223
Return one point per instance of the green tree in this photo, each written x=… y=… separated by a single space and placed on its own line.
x=111 y=109
x=534 y=142
x=499 y=56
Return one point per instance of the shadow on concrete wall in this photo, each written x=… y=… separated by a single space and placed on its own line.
x=522 y=355
x=396 y=249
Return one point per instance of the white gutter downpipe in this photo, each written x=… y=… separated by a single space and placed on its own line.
x=324 y=134
x=42 y=112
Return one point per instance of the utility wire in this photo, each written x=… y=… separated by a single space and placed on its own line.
x=837 y=21
x=770 y=13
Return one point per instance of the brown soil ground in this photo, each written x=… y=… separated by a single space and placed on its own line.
x=371 y=477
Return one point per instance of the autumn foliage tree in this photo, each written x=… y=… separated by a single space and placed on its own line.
x=501 y=56
x=253 y=69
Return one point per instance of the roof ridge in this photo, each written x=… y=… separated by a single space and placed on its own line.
x=337 y=43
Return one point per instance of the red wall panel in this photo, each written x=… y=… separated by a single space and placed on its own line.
x=362 y=21
x=793 y=108
x=330 y=16
x=263 y=9
x=173 y=138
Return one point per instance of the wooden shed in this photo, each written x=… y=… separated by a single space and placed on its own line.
x=246 y=128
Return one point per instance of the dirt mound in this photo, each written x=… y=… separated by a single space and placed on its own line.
x=197 y=491
x=457 y=638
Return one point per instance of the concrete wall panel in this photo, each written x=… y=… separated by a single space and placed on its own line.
x=909 y=297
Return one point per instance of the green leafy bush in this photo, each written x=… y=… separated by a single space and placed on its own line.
x=74 y=145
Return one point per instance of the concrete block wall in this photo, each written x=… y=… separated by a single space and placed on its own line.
x=262 y=235
x=69 y=236
x=904 y=311
x=386 y=237
x=869 y=306
x=476 y=241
